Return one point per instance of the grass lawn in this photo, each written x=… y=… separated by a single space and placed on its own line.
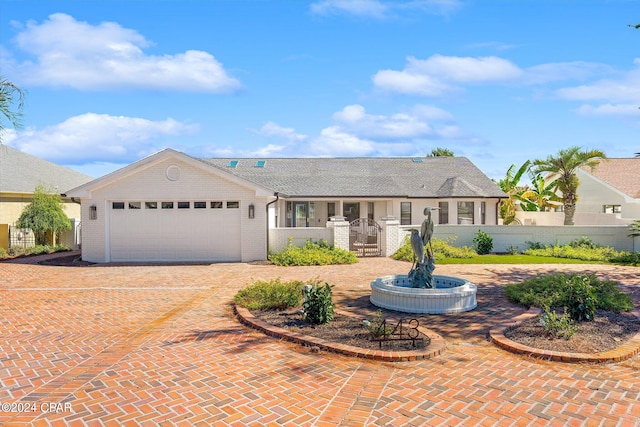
x=514 y=259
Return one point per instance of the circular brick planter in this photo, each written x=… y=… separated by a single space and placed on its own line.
x=435 y=347
x=625 y=351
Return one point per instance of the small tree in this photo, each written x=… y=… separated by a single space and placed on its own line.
x=45 y=213
x=440 y=152
x=10 y=96
x=635 y=228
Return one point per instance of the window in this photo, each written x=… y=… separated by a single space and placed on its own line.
x=351 y=211
x=233 y=205
x=465 y=212
x=151 y=205
x=370 y=210
x=216 y=205
x=405 y=213
x=199 y=205
x=483 y=209
x=167 y=205
x=611 y=209
x=134 y=205
x=117 y=205
x=184 y=205
x=443 y=213
x=331 y=209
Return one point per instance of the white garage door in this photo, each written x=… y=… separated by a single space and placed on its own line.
x=174 y=231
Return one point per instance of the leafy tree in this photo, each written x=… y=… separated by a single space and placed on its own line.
x=564 y=166
x=45 y=213
x=10 y=94
x=510 y=184
x=540 y=195
x=441 y=152
x=635 y=228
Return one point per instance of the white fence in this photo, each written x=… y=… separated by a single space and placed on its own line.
x=504 y=236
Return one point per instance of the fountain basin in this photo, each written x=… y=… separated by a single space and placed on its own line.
x=451 y=295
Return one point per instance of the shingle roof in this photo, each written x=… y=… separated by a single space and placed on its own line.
x=622 y=174
x=431 y=177
x=21 y=173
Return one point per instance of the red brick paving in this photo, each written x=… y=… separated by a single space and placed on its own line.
x=158 y=345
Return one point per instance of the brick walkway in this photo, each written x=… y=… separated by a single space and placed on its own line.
x=157 y=345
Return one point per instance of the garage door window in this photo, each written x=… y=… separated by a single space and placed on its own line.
x=134 y=205
x=167 y=205
x=216 y=205
x=151 y=205
x=184 y=205
x=117 y=205
x=199 y=205
x=233 y=205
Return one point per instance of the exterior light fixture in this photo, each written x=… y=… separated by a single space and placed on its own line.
x=252 y=211
x=93 y=212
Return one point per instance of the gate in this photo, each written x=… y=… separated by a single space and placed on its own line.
x=364 y=237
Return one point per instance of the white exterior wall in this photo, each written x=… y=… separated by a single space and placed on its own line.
x=150 y=183
x=593 y=194
x=279 y=237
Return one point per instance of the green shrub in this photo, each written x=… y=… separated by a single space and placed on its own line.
x=318 y=304
x=628 y=258
x=377 y=325
x=271 y=295
x=558 y=326
x=312 y=254
x=578 y=249
x=441 y=249
x=553 y=290
x=483 y=243
x=513 y=250
x=3 y=253
x=581 y=299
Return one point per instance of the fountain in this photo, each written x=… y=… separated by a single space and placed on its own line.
x=421 y=291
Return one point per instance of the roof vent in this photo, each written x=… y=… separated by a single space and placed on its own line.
x=232 y=164
x=417 y=160
x=260 y=163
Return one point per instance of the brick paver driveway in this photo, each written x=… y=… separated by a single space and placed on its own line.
x=158 y=345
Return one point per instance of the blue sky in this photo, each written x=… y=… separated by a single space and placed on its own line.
x=499 y=82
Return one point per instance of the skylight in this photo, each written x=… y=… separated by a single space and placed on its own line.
x=232 y=164
x=260 y=163
x=417 y=160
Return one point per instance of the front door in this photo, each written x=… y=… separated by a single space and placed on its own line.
x=300 y=214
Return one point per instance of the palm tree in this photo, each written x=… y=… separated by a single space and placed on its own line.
x=510 y=185
x=541 y=195
x=564 y=166
x=440 y=152
x=10 y=94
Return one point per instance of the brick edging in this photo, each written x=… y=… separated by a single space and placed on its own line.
x=618 y=354
x=435 y=347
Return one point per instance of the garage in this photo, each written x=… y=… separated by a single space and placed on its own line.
x=174 y=230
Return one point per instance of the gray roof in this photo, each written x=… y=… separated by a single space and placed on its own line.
x=430 y=177
x=21 y=173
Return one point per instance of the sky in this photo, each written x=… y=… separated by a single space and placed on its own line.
x=498 y=82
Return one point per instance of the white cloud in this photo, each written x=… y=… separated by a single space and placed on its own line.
x=366 y=8
x=562 y=71
x=439 y=74
x=378 y=9
x=335 y=142
x=99 y=138
x=610 y=110
x=354 y=119
x=273 y=129
x=77 y=54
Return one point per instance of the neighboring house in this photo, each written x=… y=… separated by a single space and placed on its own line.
x=612 y=188
x=20 y=174
x=173 y=207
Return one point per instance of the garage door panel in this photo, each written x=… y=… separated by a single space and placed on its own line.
x=175 y=235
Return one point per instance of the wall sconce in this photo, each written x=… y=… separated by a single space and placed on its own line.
x=252 y=211
x=93 y=212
